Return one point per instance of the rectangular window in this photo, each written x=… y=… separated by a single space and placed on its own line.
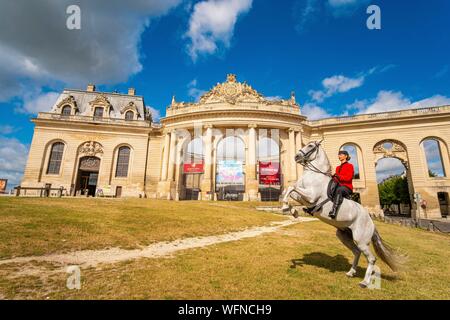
x=98 y=112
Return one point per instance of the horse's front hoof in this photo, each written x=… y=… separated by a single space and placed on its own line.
x=351 y=273
x=294 y=213
x=363 y=284
x=285 y=208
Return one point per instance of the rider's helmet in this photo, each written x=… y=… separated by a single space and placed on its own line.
x=346 y=153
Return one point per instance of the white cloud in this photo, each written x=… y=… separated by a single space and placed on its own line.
x=304 y=15
x=306 y=12
x=274 y=98
x=42 y=51
x=7 y=129
x=193 y=91
x=387 y=167
x=156 y=115
x=314 y=112
x=392 y=101
x=335 y=84
x=212 y=23
x=340 y=3
x=13 y=157
x=42 y=102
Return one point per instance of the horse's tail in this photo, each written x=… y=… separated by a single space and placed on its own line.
x=394 y=259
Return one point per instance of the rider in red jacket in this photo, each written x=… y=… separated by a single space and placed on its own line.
x=344 y=176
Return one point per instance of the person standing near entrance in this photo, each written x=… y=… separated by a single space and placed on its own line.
x=344 y=177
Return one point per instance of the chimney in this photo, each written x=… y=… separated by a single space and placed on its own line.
x=90 y=87
x=131 y=91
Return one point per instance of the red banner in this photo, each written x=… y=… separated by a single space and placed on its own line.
x=193 y=168
x=269 y=173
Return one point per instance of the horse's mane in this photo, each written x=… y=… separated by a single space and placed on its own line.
x=326 y=162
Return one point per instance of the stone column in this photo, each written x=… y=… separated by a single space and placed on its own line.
x=207 y=181
x=165 y=157
x=176 y=184
x=291 y=162
x=252 y=182
x=298 y=146
x=172 y=157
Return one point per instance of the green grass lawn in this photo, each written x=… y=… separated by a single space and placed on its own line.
x=36 y=226
x=302 y=261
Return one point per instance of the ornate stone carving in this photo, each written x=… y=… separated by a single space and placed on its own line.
x=232 y=92
x=396 y=147
x=129 y=106
x=395 y=151
x=68 y=101
x=101 y=100
x=90 y=148
x=90 y=163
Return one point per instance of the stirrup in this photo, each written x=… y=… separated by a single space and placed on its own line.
x=332 y=214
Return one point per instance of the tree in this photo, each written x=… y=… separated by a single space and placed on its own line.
x=432 y=174
x=394 y=190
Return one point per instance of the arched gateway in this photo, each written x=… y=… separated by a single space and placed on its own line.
x=233 y=144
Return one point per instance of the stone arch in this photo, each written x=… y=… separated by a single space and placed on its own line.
x=398 y=150
x=45 y=158
x=115 y=155
x=360 y=174
x=444 y=156
x=392 y=148
x=235 y=190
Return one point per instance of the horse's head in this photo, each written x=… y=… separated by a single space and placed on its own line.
x=308 y=152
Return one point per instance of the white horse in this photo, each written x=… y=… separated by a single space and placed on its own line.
x=354 y=225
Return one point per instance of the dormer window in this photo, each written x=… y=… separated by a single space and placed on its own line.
x=98 y=112
x=129 y=115
x=66 y=110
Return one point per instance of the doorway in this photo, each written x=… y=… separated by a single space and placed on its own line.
x=443 y=203
x=88 y=176
x=192 y=185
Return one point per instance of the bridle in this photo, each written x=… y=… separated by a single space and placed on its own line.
x=305 y=159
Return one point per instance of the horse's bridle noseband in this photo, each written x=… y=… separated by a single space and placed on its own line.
x=305 y=160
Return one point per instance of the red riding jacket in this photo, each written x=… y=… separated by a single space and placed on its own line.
x=344 y=174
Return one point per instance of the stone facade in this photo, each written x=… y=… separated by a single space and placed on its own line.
x=157 y=152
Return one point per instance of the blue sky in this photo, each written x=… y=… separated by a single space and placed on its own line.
x=321 y=49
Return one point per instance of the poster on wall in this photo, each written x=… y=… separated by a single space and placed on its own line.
x=193 y=167
x=230 y=172
x=269 y=173
x=3 y=184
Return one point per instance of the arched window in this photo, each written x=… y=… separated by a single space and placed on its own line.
x=66 y=110
x=123 y=160
x=353 y=152
x=432 y=150
x=54 y=162
x=268 y=150
x=194 y=151
x=129 y=115
x=231 y=148
x=98 y=112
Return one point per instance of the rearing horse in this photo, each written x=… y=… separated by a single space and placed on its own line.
x=354 y=225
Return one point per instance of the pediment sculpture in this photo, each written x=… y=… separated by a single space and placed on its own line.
x=90 y=148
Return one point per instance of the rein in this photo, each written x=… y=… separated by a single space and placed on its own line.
x=307 y=163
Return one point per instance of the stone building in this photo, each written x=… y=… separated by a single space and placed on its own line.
x=232 y=144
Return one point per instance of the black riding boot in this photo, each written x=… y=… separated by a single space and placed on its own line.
x=336 y=204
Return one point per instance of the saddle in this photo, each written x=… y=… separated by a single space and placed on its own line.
x=331 y=191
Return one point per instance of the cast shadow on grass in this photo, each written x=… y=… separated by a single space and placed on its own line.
x=338 y=263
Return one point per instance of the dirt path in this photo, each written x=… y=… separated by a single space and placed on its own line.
x=91 y=258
